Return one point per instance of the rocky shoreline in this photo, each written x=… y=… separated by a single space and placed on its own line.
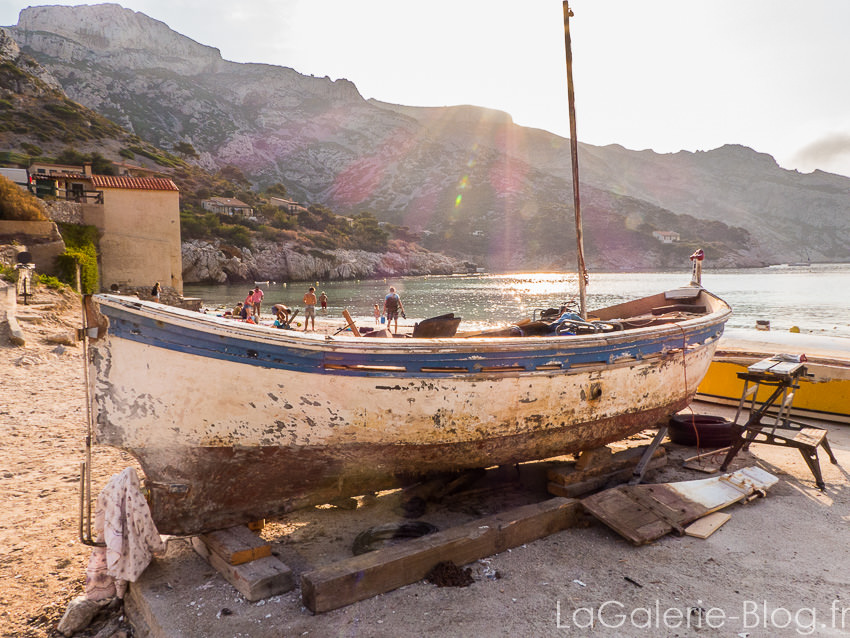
x=217 y=262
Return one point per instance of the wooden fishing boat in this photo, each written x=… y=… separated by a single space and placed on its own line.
x=233 y=422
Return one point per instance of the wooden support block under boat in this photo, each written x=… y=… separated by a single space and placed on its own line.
x=255 y=580
x=391 y=567
x=578 y=488
x=236 y=545
x=569 y=473
x=593 y=457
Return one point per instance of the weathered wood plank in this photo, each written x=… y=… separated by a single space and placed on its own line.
x=575 y=490
x=595 y=457
x=236 y=545
x=643 y=513
x=569 y=474
x=707 y=525
x=367 y=575
x=255 y=580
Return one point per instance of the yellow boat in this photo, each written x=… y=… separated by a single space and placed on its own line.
x=823 y=394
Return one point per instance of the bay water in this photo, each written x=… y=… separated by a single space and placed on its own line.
x=815 y=298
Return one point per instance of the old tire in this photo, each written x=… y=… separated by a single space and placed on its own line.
x=702 y=430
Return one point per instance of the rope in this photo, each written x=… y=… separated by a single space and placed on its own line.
x=685 y=375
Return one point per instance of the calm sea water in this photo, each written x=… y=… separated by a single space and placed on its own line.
x=815 y=298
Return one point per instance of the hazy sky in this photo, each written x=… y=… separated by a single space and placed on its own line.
x=667 y=75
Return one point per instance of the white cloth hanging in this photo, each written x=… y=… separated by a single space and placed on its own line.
x=123 y=521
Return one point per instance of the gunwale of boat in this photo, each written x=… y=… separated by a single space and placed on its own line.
x=717 y=313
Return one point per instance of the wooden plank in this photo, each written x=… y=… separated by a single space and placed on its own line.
x=256 y=580
x=644 y=513
x=367 y=575
x=633 y=521
x=679 y=307
x=349 y=321
x=626 y=459
x=257 y=526
x=595 y=457
x=707 y=525
x=575 y=490
x=236 y=545
x=691 y=292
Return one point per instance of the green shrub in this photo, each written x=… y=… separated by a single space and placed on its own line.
x=236 y=235
x=32 y=149
x=8 y=273
x=51 y=282
x=81 y=247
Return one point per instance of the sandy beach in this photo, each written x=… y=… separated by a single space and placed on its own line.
x=779 y=567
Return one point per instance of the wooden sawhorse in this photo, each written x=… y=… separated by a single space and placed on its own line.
x=782 y=373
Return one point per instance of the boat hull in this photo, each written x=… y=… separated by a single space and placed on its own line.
x=232 y=424
x=824 y=394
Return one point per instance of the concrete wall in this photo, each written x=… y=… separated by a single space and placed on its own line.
x=140 y=241
x=32 y=230
x=41 y=239
x=8 y=298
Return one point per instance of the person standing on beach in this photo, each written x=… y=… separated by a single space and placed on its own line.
x=323 y=299
x=248 y=305
x=310 y=308
x=156 y=291
x=377 y=313
x=392 y=306
x=257 y=298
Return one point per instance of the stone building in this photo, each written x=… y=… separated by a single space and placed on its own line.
x=138 y=219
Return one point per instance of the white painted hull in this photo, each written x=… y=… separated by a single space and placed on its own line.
x=225 y=438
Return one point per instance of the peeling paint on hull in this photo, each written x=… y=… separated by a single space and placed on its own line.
x=232 y=425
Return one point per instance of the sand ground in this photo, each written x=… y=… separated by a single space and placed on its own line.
x=779 y=567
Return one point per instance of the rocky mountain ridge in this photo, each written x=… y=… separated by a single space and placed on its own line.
x=478 y=184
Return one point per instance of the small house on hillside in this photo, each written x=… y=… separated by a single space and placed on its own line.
x=138 y=219
x=290 y=206
x=227 y=206
x=71 y=183
x=665 y=236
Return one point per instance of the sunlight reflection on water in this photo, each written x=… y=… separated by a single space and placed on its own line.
x=815 y=298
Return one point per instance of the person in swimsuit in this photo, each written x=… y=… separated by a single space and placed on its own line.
x=310 y=308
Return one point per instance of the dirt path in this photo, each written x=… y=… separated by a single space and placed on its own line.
x=42 y=430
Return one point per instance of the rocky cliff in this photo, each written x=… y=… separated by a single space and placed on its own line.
x=215 y=263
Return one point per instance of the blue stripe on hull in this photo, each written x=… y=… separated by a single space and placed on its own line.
x=403 y=359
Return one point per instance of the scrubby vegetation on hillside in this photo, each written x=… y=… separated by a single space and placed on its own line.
x=17 y=204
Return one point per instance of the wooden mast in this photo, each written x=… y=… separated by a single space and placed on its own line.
x=582 y=269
